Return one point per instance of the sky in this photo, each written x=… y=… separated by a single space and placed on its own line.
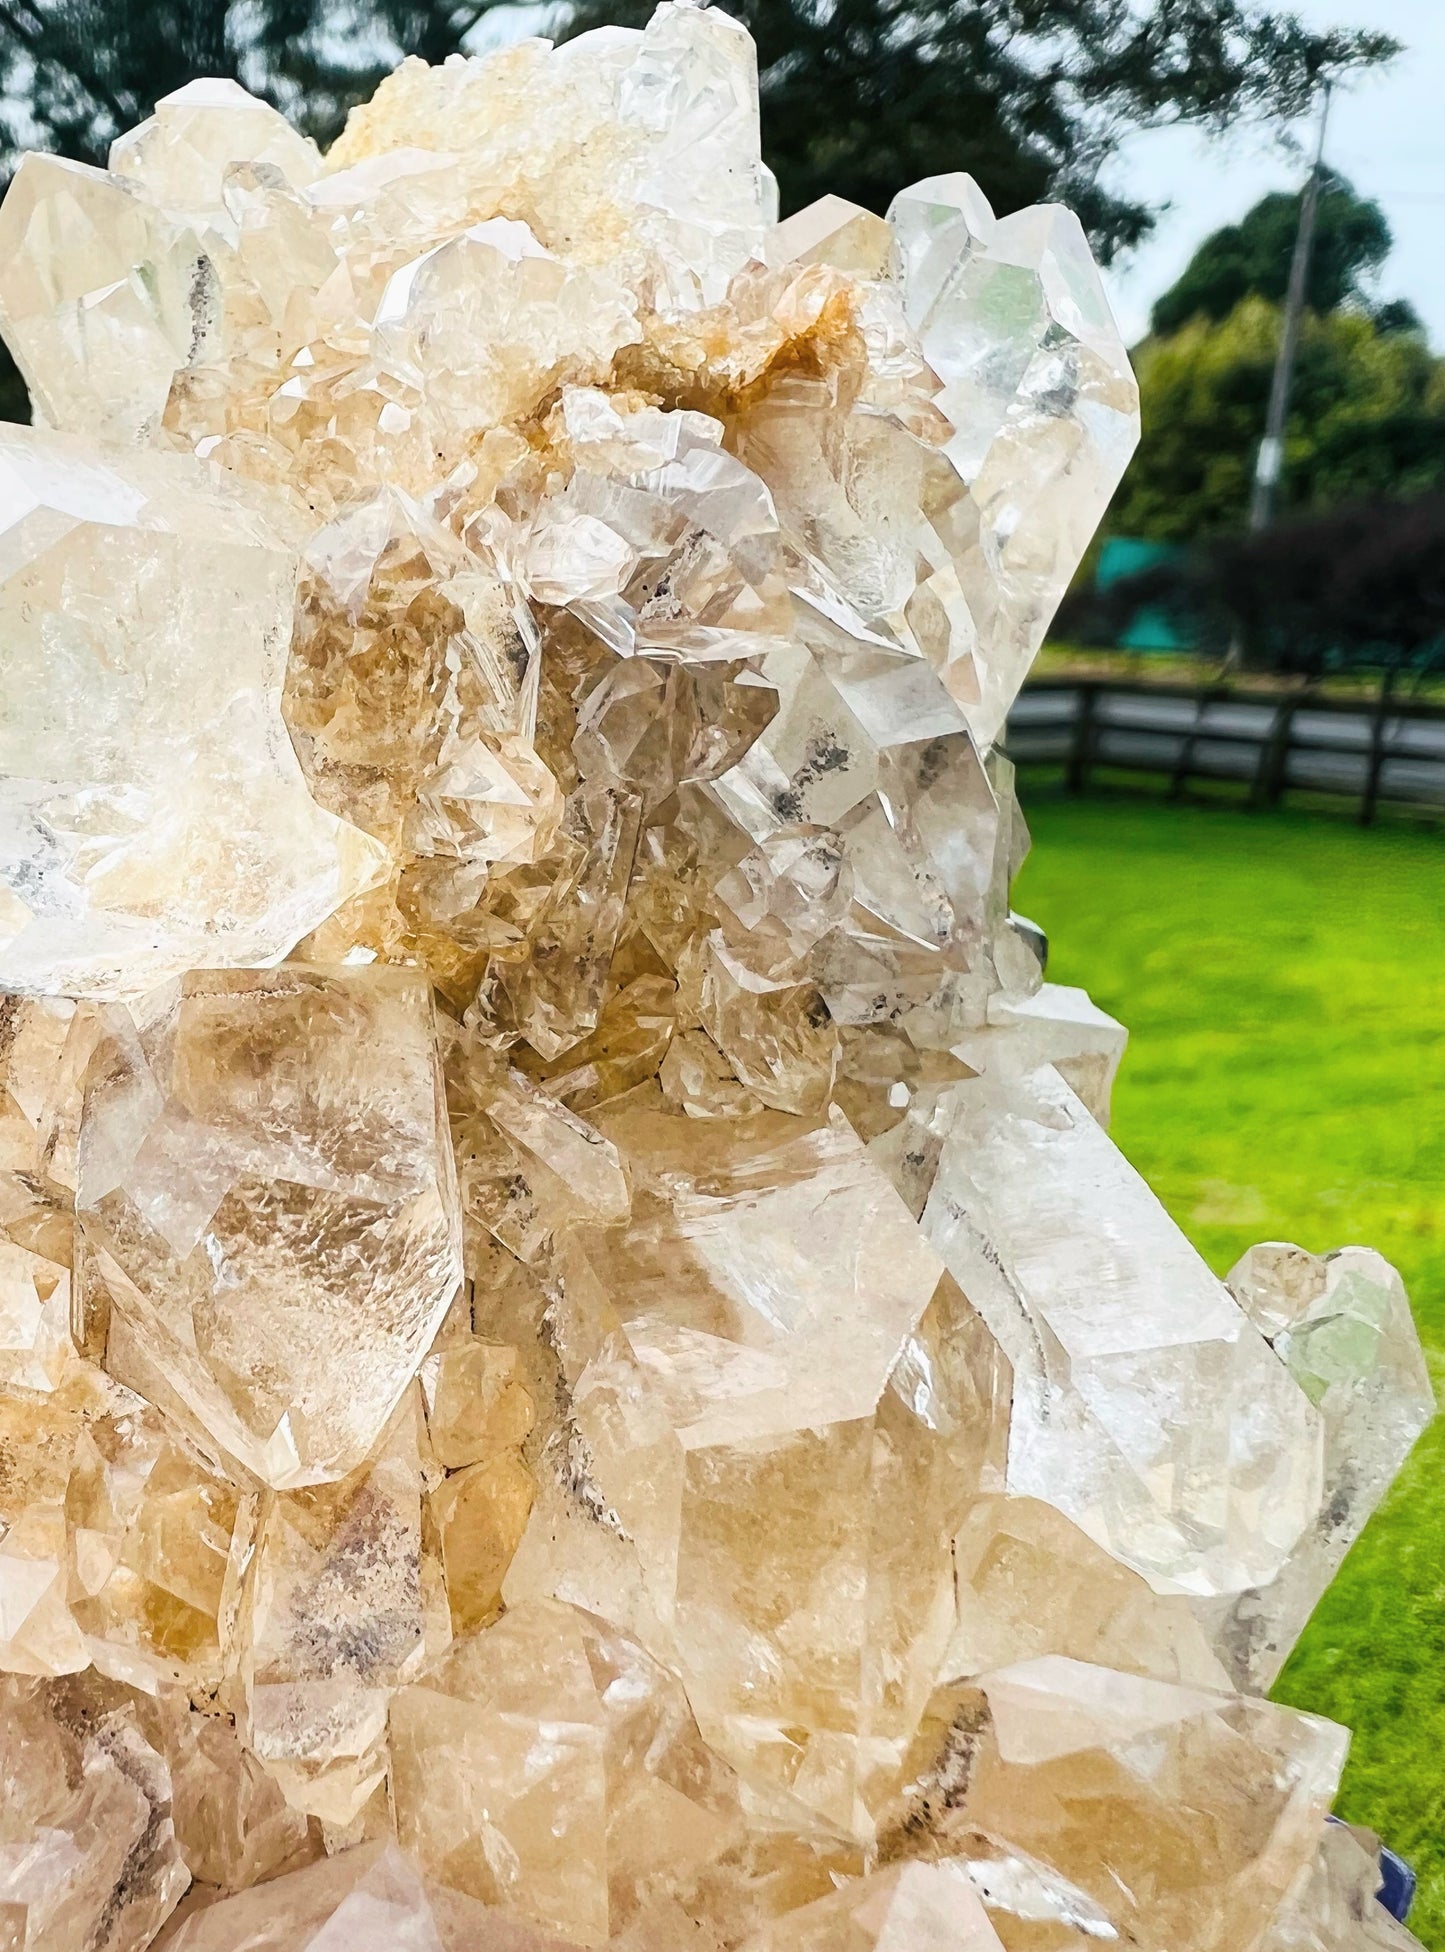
x=1386 y=134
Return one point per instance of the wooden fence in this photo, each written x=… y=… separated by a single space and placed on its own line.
x=1265 y=744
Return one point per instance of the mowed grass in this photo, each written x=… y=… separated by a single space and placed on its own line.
x=1283 y=979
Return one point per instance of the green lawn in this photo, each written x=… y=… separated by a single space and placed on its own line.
x=1283 y=978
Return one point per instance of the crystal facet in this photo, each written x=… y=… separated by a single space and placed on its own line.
x=274 y=1259
x=152 y=813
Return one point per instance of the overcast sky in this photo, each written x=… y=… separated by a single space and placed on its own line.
x=1387 y=134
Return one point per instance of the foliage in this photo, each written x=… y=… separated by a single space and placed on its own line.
x=1283 y=978
x=861 y=96
x=1252 y=259
x=75 y=73
x=1367 y=418
x=1357 y=586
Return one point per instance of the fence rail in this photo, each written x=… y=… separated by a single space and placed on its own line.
x=1266 y=744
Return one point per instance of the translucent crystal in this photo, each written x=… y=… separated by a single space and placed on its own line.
x=477 y=1403
x=485 y=326
x=1112 y=1322
x=551 y=1766
x=1012 y=317
x=45 y=1045
x=152 y=813
x=337 y=1610
x=640 y=150
x=1057 y=1025
x=179 y=158
x=661 y=541
x=275 y=1257
x=1185 y=1816
x=88 y=1855
x=115 y=1537
x=923 y=1907
x=771 y=1338
x=1030 y=1583
x=232 y=1823
x=34 y=1318
x=370 y=1897
x=1338 y=1908
x=102 y=298
x=411 y=694
x=1342 y=1324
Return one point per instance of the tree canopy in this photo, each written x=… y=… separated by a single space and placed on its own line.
x=74 y=74
x=1252 y=259
x=1358 y=586
x=1367 y=418
x=1034 y=97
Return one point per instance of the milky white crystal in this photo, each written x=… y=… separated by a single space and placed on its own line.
x=153 y=816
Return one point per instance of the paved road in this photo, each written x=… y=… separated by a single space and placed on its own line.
x=1329 y=751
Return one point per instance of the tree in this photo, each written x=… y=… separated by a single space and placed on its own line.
x=860 y=96
x=75 y=73
x=1367 y=418
x=1359 y=586
x=1252 y=259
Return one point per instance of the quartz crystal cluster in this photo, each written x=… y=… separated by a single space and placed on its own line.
x=577 y=1365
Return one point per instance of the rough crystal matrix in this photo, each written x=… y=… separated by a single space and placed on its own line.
x=577 y=1365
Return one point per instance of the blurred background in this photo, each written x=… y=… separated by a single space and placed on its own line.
x=1232 y=754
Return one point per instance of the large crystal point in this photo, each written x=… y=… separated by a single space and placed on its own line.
x=1057 y=1025
x=906 y=1908
x=1030 y=1583
x=1342 y=1325
x=181 y=156
x=1113 y=1324
x=1338 y=1908
x=153 y=816
x=1012 y=317
x=551 y=1766
x=268 y=1208
x=234 y=1827
x=340 y=1605
x=102 y=298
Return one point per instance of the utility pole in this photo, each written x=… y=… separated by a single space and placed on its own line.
x=1271 y=448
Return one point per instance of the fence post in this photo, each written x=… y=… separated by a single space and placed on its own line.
x=1269 y=776
x=1371 y=797
x=1076 y=776
x=1184 y=764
